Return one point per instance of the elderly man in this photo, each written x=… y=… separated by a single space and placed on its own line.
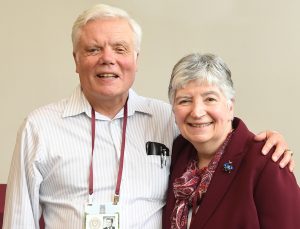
x=105 y=150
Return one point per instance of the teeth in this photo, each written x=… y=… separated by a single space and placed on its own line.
x=200 y=125
x=107 y=75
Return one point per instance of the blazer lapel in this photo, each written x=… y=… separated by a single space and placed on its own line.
x=221 y=180
x=186 y=155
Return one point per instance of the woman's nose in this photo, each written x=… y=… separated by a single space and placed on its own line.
x=198 y=110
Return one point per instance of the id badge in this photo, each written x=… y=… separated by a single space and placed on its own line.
x=100 y=216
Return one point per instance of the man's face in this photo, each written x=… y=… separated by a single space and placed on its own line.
x=105 y=59
x=108 y=222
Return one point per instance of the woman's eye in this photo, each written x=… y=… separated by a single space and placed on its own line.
x=183 y=101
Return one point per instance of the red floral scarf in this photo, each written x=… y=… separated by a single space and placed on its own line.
x=191 y=186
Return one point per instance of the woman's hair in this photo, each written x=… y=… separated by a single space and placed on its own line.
x=102 y=11
x=206 y=68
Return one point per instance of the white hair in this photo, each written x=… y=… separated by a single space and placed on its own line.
x=207 y=68
x=102 y=11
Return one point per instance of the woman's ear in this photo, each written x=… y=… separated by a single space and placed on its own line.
x=231 y=109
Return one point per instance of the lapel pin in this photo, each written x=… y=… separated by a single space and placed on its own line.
x=228 y=167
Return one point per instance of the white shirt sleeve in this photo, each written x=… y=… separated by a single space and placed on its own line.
x=22 y=209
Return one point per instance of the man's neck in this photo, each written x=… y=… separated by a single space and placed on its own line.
x=109 y=107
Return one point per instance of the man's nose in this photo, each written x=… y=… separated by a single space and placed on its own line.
x=107 y=56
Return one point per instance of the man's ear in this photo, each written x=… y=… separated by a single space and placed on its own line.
x=136 y=60
x=75 y=60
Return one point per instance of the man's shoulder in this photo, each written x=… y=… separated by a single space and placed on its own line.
x=58 y=108
x=158 y=103
x=149 y=100
x=147 y=105
x=49 y=110
x=154 y=104
x=44 y=117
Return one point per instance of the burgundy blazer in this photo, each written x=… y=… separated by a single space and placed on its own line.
x=2 y=200
x=256 y=194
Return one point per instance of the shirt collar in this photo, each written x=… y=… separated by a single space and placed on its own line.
x=78 y=104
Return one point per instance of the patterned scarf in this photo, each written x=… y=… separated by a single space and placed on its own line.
x=191 y=186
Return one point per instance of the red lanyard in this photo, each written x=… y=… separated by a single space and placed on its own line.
x=91 y=178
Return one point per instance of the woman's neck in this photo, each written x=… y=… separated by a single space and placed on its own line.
x=207 y=150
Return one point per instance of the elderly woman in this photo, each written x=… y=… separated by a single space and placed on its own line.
x=218 y=178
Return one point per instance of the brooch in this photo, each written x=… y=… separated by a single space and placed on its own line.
x=228 y=167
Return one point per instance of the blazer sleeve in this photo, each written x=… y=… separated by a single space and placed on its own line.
x=277 y=198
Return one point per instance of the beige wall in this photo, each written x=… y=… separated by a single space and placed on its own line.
x=260 y=41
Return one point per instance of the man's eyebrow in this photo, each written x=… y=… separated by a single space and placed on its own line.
x=123 y=43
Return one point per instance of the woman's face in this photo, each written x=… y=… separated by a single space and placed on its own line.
x=202 y=114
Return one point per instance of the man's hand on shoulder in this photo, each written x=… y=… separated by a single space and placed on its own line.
x=274 y=138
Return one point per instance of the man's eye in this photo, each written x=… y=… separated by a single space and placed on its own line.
x=120 y=50
x=211 y=99
x=93 y=50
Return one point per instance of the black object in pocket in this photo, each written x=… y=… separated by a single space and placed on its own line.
x=158 y=149
x=155 y=148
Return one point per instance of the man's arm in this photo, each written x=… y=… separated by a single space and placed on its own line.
x=22 y=208
x=274 y=138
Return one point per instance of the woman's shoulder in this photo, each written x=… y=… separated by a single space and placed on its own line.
x=181 y=149
x=180 y=143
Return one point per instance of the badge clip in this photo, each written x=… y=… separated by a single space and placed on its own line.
x=116 y=199
x=91 y=198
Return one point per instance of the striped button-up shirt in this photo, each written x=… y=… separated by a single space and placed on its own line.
x=49 y=173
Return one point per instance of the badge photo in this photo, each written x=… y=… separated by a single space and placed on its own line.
x=110 y=221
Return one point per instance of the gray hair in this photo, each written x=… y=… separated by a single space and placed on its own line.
x=207 y=68
x=102 y=11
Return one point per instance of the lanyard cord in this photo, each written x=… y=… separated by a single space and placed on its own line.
x=91 y=179
x=119 y=179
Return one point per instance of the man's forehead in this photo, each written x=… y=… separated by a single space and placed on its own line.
x=110 y=22
x=117 y=28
